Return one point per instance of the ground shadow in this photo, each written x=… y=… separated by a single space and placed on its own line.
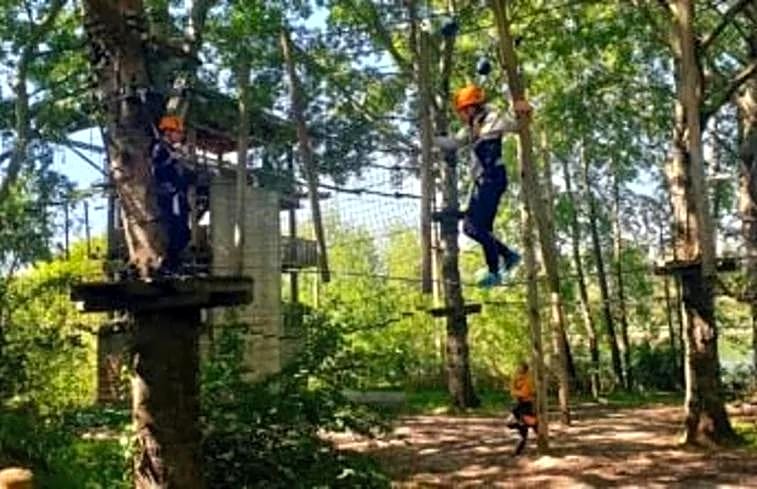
x=605 y=447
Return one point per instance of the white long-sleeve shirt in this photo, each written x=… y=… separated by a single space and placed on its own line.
x=484 y=136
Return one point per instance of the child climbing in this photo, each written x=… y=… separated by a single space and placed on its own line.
x=173 y=181
x=483 y=132
x=523 y=415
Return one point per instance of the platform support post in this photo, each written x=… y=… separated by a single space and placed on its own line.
x=166 y=399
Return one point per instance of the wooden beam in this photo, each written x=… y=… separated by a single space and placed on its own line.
x=440 y=312
x=170 y=293
x=674 y=266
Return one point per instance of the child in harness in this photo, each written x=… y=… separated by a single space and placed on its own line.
x=483 y=132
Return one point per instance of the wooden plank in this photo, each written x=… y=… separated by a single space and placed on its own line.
x=169 y=293
x=439 y=312
x=668 y=267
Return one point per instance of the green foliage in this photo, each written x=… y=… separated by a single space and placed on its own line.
x=493 y=402
x=60 y=455
x=49 y=346
x=267 y=434
x=655 y=368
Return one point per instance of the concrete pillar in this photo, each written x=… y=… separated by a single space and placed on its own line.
x=261 y=260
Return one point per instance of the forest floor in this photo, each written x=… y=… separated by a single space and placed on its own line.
x=605 y=447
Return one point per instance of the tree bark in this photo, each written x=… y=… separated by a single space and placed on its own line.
x=549 y=206
x=669 y=315
x=243 y=138
x=534 y=320
x=118 y=56
x=306 y=153
x=706 y=419
x=604 y=288
x=459 y=380
x=583 y=297
x=533 y=190
x=427 y=178
x=166 y=400
x=747 y=115
x=620 y=289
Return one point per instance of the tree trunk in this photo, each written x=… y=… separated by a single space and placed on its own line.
x=620 y=289
x=706 y=418
x=426 y=174
x=533 y=190
x=681 y=331
x=534 y=322
x=604 y=289
x=549 y=206
x=306 y=153
x=591 y=330
x=459 y=381
x=243 y=138
x=166 y=400
x=669 y=315
x=747 y=114
x=118 y=58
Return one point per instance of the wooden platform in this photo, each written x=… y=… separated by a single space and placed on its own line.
x=161 y=294
x=440 y=312
x=673 y=266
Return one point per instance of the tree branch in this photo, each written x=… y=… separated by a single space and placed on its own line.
x=726 y=18
x=22 y=98
x=385 y=39
x=734 y=85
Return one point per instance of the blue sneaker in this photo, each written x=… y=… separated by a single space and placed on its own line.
x=486 y=279
x=507 y=264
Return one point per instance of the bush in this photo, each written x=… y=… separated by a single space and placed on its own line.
x=656 y=368
x=738 y=380
x=57 y=455
x=266 y=434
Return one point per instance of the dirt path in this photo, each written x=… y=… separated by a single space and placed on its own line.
x=604 y=448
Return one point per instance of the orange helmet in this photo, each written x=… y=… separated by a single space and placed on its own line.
x=171 y=123
x=469 y=95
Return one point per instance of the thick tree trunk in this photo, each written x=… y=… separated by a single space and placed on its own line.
x=306 y=154
x=706 y=418
x=118 y=57
x=532 y=188
x=604 y=289
x=620 y=288
x=166 y=400
x=583 y=297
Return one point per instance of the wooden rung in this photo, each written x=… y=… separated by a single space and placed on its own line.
x=668 y=267
x=440 y=312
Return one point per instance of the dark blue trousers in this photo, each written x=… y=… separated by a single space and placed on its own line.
x=478 y=223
